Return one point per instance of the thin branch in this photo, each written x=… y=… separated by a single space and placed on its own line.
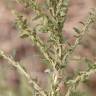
x=22 y=71
x=80 y=78
x=91 y=18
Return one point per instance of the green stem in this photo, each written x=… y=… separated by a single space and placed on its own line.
x=17 y=65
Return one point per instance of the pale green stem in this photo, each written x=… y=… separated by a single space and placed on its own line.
x=22 y=71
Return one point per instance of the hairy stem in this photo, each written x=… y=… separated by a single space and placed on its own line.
x=22 y=71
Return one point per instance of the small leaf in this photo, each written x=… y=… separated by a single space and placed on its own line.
x=24 y=35
x=1 y=54
x=1 y=57
x=77 y=30
x=89 y=63
x=82 y=23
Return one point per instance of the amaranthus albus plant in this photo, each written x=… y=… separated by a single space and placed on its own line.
x=54 y=51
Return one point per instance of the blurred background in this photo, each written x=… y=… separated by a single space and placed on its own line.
x=11 y=82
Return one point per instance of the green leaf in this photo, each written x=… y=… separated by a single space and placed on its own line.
x=24 y=34
x=77 y=30
x=82 y=23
